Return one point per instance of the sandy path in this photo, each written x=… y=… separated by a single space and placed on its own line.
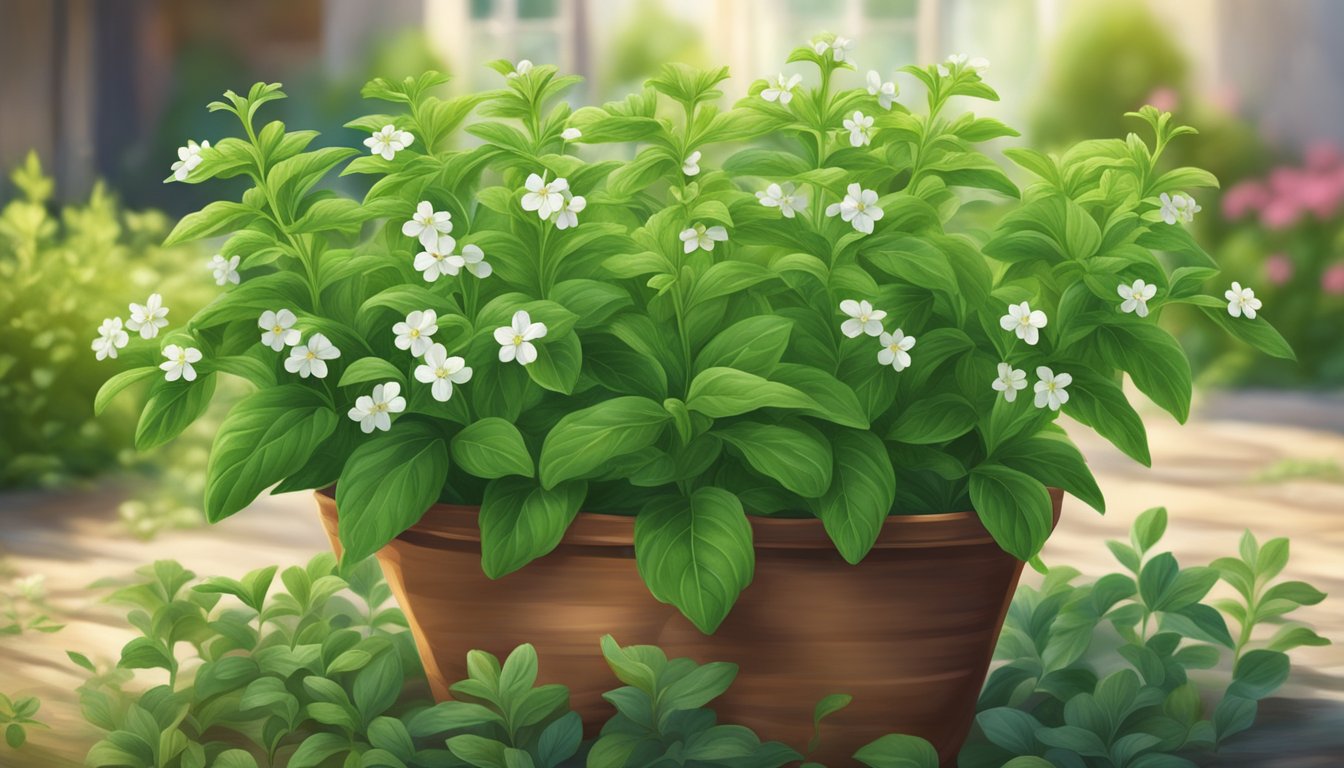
x=1202 y=473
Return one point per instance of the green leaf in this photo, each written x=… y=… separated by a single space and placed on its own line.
x=1233 y=715
x=492 y=447
x=585 y=440
x=521 y=521
x=722 y=392
x=1258 y=332
x=172 y=407
x=833 y=399
x=1100 y=404
x=478 y=751
x=378 y=685
x=558 y=364
x=754 y=345
x=862 y=492
x=1155 y=362
x=317 y=748
x=696 y=553
x=114 y=386
x=386 y=486
x=367 y=369
x=15 y=736
x=268 y=436
x=1014 y=507
x=827 y=706
x=898 y=751
x=936 y=419
x=1055 y=461
x=234 y=758
x=1148 y=528
x=1258 y=674
x=214 y=219
x=796 y=455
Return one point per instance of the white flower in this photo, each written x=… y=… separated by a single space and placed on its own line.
x=859 y=208
x=1050 y=389
x=1136 y=297
x=571 y=134
x=701 y=237
x=862 y=319
x=278 y=329
x=781 y=89
x=188 y=158
x=860 y=131
x=542 y=197
x=691 y=165
x=376 y=412
x=783 y=197
x=441 y=372
x=33 y=587
x=1241 y=301
x=110 y=338
x=567 y=215
x=388 y=141
x=957 y=60
x=437 y=259
x=1178 y=207
x=149 y=317
x=521 y=68
x=1009 y=381
x=1024 y=322
x=842 y=48
x=416 y=333
x=179 y=362
x=473 y=260
x=226 y=270
x=895 y=349
x=310 y=359
x=515 y=340
x=885 y=92
x=428 y=224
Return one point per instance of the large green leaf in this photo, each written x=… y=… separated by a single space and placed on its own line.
x=387 y=484
x=1014 y=507
x=172 y=407
x=723 y=392
x=267 y=436
x=696 y=553
x=521 y=521
x=862 y=492
x=1051 y=458
x=492 y=447
x=1099 y=403
x=1154 y=360
x=585 y=440
x=796 y=455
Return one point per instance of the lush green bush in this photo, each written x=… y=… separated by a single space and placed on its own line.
x=60 y=275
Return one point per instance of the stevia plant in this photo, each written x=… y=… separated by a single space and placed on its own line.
x=771 y=309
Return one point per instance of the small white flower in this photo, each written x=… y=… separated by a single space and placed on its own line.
x=179 y=360
x=862 y=319
x=388 y=141
x=225 y=270
x=895 y=349
x=781 y=89
x=278 y=329
x=978 y=65
x=1009 y=381
x=842 y=48
x=571 y=134
x=1050 y=389
x=858 y=208
x=441 y=372
x=416 y=333
x=885 y=92
x=473 y=260
x=860 y=130
x=1178 y=207
x=149 y=317
x=1241 y=301
x=543 y=197
x=1136 y=297
x=1024 y=322
x=702 y=238
x=428 y=224
x=188 y=158
x=521 y=68
x=567 y=215
x=111 y=337
x=310 y=359
x=691 y=165
x=376 y=412
x=33 y=587
x=437 y=259
x=515 y=340
x=783 y=198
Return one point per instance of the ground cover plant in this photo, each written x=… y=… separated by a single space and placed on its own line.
x=766 y=311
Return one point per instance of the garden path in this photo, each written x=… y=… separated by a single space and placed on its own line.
x=1204 y=473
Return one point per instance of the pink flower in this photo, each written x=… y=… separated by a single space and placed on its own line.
x=1281 y=213
x=1165 y=98
x=1244 y=198
x=1279 y=269
x=1323 y=156
x=1332 y=280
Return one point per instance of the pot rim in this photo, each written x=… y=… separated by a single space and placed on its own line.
x=458 y=522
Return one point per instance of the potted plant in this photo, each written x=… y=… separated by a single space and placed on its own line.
x=540 y=384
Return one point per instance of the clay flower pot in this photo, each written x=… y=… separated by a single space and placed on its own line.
x=908 y=632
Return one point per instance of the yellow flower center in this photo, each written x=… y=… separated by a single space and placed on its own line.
x=517 y=339
x=442 y=373
x=277 y=330
x=310 y=356
x=415 y=333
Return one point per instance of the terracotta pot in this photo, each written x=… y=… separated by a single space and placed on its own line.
x=908 y=632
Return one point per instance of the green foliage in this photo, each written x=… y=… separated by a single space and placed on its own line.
x=24 y=608
x=695 y=345
x=17 y=716
x=61 y=273
x=1107 y=674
